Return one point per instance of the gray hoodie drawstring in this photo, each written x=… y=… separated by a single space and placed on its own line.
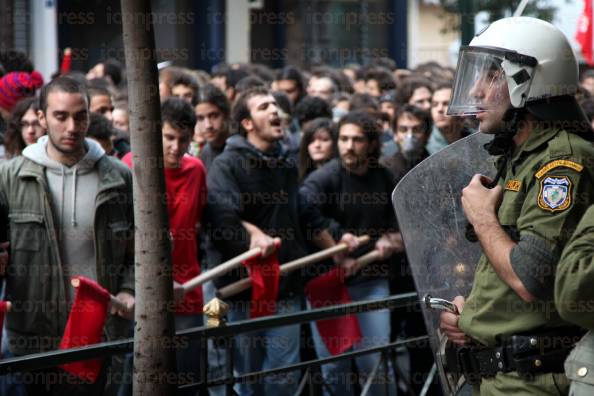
x=74 y=171
x=74 y=197
x=62 y=192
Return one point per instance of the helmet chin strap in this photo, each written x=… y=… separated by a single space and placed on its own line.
x=503 y=141
x=502 y=144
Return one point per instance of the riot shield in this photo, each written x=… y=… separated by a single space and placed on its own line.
x=433 y=226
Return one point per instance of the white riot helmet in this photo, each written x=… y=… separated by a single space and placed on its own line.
x=533 y=56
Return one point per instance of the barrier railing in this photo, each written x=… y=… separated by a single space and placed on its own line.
x=226 y=332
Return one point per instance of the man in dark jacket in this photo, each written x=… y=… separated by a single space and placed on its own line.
x=253 y=198
x=348 y=197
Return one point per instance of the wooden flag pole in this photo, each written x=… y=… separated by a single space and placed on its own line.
x=75 y=282
x=366 y=259
x=223 y=268
x=246 y=283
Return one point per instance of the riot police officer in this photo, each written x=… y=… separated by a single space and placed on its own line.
x=518 y=78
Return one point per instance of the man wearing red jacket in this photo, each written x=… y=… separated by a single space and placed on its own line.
x=185 y=182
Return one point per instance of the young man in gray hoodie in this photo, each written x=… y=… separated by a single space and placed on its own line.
x=69 y=209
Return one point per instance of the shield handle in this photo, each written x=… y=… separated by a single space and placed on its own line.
x=440 y=304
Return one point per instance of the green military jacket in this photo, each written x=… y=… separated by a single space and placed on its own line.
x=574 y=298
x=574 y=283
x=547 y=188
x=579 y=367
x=34 y=278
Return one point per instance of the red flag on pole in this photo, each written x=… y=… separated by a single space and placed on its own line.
x=66 y=62
x=584 y=31
x=341 y=333
x=264 y=273
x=85 y=326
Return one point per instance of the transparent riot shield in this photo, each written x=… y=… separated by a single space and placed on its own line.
x=433 y=226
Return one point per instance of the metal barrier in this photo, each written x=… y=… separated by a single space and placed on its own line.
x=226 y=332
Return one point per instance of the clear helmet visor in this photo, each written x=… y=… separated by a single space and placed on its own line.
x=479 y=84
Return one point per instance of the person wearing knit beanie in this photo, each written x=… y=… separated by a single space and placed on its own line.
x=15 y=86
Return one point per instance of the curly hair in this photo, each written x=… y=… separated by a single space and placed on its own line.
x=370 y=127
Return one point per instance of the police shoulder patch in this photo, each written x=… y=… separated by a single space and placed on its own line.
x=556 y=164
x=555 y=193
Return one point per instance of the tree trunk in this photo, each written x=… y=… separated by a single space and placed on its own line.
x=154 y=359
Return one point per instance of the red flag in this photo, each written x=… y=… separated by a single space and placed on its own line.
x=264 y=273
x=584 y=31
x=3 y=310
x=66 y=62
x=85 y=326
x=341 y=333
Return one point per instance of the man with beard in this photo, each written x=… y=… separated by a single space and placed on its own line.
x=252 y=198
x=512 y=79
x=69 y=208
x=349 y=197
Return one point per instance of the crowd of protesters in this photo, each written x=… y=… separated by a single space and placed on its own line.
x=250 y=154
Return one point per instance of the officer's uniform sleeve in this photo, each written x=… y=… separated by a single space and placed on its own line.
x=574 y=283
x=553 y=205
x=579 y=367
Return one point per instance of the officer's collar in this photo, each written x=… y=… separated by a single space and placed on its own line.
x=536 y=139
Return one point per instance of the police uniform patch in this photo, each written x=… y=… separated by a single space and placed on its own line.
x=556 y=164
x=513 y=185
x=555 y=193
